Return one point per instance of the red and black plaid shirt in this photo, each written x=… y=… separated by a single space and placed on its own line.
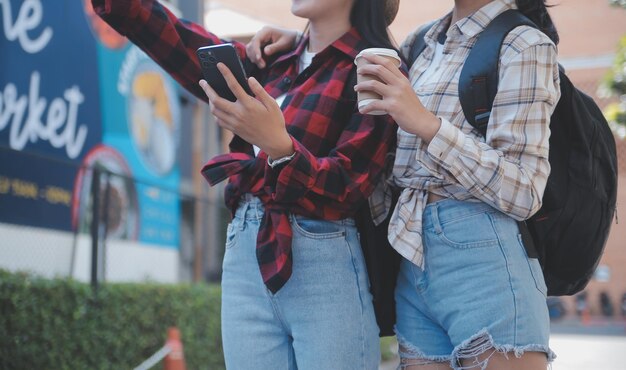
x=340 y=153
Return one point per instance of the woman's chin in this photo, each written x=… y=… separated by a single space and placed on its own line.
x=304 y=8
x=298 y=11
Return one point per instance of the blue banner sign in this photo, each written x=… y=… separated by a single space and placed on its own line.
x=76 y=95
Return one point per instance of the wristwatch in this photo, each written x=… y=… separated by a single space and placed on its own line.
x=273 y=163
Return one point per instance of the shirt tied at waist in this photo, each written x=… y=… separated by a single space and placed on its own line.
x=273 y=248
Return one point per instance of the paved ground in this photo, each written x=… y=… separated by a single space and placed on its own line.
x=578 y=352
x=596 y=346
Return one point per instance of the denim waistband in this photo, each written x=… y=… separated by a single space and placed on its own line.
x=251 y=208
x=451 y=209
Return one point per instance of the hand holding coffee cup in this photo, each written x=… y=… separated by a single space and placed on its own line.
x=367 y=97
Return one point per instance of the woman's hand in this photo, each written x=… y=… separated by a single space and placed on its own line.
x=258 y=121
x=399 y=99
x=272 y=40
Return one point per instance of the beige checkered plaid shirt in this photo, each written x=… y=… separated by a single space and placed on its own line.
x=509 y=168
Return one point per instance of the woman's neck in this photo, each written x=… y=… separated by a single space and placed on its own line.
x=463 y=8
x=324 y=33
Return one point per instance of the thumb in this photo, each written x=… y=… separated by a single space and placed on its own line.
x=269 y=49
x=283 y=43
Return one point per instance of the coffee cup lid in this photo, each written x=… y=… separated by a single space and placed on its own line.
x=380 y=51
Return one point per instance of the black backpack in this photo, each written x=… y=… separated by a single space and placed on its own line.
x=381 y=260
x=569 y=232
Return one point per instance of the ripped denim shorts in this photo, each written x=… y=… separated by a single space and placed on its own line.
x=478 y=290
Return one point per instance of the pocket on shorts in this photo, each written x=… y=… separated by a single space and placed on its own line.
x=535 y=270
x=317 y=229
x=471 y=231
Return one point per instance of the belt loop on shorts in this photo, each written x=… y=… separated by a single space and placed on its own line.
x=243 y=210
x=435 y=217
x=258 y=209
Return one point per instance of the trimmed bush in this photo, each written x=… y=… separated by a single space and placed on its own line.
x=61 y=324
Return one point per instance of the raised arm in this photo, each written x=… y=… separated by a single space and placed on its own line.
x=169 y=41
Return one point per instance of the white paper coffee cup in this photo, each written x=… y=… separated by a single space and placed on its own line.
x=367 y=97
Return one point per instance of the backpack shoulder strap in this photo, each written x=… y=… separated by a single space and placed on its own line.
x=419 y=43
x=478 y=83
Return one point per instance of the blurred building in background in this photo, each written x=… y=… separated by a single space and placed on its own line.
x=92 y=130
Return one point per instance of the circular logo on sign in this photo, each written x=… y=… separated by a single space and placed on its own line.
x=153 y=117
x=118 y=206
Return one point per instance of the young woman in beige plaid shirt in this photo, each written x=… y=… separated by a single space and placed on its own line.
x=468 y=296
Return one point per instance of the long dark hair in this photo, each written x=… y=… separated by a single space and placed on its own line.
x=368 y=18
x=537 y=11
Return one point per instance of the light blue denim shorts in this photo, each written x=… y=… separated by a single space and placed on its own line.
x=478 y=290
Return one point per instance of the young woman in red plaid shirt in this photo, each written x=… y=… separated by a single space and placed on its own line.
x=303 y=161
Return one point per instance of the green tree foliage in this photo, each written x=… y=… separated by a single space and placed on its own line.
x=621 y=3
x=615 y=85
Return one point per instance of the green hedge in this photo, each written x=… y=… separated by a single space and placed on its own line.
x=60 y=324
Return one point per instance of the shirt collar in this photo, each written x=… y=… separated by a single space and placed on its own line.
x=473 y=24
x=350 y=43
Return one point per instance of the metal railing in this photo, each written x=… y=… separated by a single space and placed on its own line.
x=103 y=237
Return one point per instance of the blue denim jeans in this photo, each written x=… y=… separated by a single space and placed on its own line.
x=322 y=318
x=478 y=290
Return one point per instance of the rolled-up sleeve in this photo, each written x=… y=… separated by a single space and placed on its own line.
x=510 y=169
x=348 y=175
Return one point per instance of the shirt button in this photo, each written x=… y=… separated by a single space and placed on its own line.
x=287 y=80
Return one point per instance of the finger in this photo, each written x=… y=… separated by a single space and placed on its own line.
x=382 y=73
x=374 y=86
x=389 y=63
x=224 y=126
x=282 y=44
x=253 y=50
x=281 y=40
x=260 y=93
x=377 y=105
x=232 y=82
x=214 y=98
x=269 y=49
x=221 y=118
x=210 y=93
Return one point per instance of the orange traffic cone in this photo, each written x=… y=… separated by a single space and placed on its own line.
x=175 y=360
x=585 y=316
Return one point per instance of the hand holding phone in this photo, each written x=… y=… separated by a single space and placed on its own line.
x=209 y=56
x=256 y=118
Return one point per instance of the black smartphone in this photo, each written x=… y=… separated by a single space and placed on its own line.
x=209 y=56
